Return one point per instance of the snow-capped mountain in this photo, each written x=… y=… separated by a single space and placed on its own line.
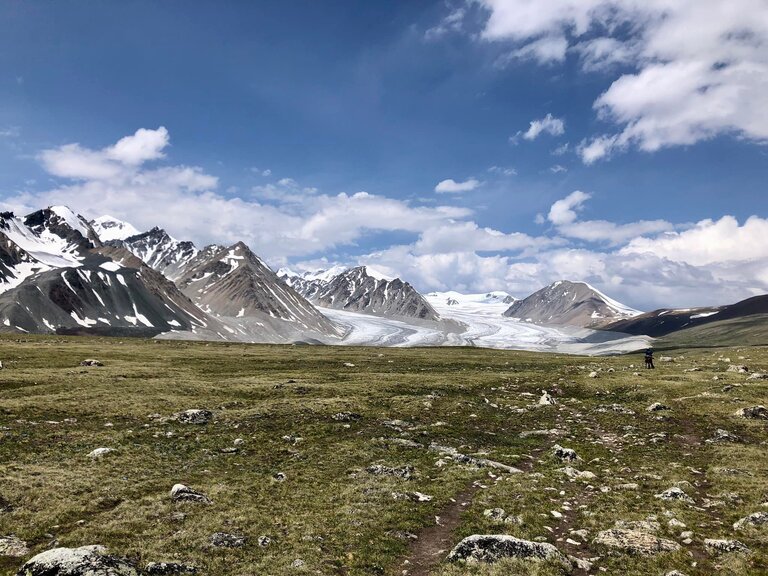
x=110 y=228
x=452 y=298
x=363 y=289
x=57 y=275
x=234 y=282
x=309 y=284
x=569 y=303
x=160 y=251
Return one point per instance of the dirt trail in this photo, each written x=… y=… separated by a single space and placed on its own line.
x=434 y=542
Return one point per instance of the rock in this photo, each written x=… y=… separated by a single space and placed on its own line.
x=723 y=436
x=635 y=542
x=279 y=477
x=496 y=514
x=739 y=368
x=194 y=416
x=650 y=526
x=168 y=568
x=346 y=417
x=494 y=547
x=657 y=407
x=83 y=561
x=755 y=519
x=757 y=376
x=299 y=563
x=13 y=546
x=349 y=365
x=571 y=472
x=593 y=375
x=564 y=454
x=182 y=493
x=666 y=359
x=401 y=472
x=755 y=412
x=99 y=452
x=473 y=460
x=675 y=573
x=725 y=546
x=546 y=399
x=226 y=540
x=264 y=541
x=91 y=362
x=412 y=496
x=675 y=493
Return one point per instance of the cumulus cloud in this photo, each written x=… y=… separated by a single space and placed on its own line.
x=547 y=125
x=691 y=69
x=564 y=211
x=450 y=186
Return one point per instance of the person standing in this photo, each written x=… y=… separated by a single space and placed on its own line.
x=649 y=358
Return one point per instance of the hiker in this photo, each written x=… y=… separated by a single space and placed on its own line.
x=649 y=358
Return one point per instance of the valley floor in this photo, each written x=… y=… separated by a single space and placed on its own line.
x=331 y=452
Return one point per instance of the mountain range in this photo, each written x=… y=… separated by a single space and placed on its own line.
x=60 y=273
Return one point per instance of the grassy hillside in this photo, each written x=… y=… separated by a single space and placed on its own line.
x=746 y=331
x=274 y=413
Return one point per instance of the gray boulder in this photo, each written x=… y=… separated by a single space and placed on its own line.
x=226 y=540
x=494 y=547
x=725 y=546
x=634 y=542
x=194 y=416
x=564 y=454
x=13 y=546
x=755 y=412
x=755 y=519
x=83 y=561
x=182 y=493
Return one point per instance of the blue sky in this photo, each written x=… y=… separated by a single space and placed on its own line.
x=280 y=107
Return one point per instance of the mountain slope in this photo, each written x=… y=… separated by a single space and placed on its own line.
x=234 y=282
x=363 y=290
x=667 y=321
x=161 y=252
x=569 y=303
x=109 y=228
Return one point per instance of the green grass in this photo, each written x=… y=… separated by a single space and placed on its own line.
x=330 y=512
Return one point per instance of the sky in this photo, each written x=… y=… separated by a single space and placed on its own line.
x=468 y=145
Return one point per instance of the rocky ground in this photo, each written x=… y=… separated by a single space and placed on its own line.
x=228 y=459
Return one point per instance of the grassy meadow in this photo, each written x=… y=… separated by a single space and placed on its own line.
x=275 y=462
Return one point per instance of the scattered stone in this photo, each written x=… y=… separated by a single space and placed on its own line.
x=739 y=368
x=292 y=439
x=349 y=364
x=564 y=454
x=299 y=563
x=13 y=546
x=546 y=399
x=99 y=452
x=240 y=441
x=638 y=525
x=635 y=542
x=571 y=472
x=473 y=460
x=412 y=496
x=400 y=472
x=675 y=573
x=264 y=541
x=550 y=432
x=618 y=408
x=182 y=493
x=346 y=417
x=91 y=362
x=168 y=569
x=755 y=412
x=657 y=407
x=494 y=547
x=593 y=374
x=675 y=493
x=723 y=436
x=194 y=416
x=226 y=540
x=675 y=523
x=83 y=561
x=666 y=359
x=279 y=477
x=404 y=442
x=757 y=376
x=755 y=519
x=725 y=546
x=496 y=514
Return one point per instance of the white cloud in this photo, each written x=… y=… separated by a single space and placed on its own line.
x=549 y=124
x=547 y=50
x=451 y=23
x=10 y=132
x=564 y=211
x=502 y=170
x=557 y=168
x=693 y=69
x=450 y=186
x=142 y=146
